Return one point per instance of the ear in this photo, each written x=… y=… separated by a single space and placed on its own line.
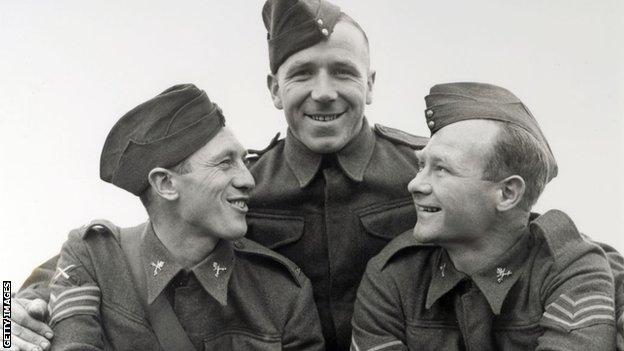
x=369 y=86
x=162 y=183
x=511 y=193
x=273 y=86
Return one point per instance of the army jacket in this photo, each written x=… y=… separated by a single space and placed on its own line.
x=331 y=214
x=552 y=290
x=242 y=296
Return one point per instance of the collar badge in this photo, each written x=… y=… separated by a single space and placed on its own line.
x=157 y=266
x=217 y=269
x=501 y=274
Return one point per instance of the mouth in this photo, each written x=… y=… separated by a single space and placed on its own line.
x=239 y=203
x=423 y=208
x=324 y=117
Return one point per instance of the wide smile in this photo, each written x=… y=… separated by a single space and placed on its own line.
x=324 y=117
x=239 y=203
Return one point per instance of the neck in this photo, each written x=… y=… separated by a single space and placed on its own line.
x=476 y=255
x=188 y=245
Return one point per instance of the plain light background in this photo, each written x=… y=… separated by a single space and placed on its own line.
x=69 y=69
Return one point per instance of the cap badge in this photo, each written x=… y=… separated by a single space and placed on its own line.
x=501 y=273
x=217 y=269
x=157 y=266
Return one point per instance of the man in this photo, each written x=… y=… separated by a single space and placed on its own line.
x=333 y=193
x=496 y=276
x=186 y=279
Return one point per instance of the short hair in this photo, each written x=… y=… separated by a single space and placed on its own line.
x=517 y=152
x=344 y=17
x=183 y=167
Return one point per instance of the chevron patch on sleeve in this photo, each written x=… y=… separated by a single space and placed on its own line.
x=574 y=312
x=74 y=300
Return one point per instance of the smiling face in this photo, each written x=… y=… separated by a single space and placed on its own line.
x=213 y=195
x=453 y=203
x=323 y=89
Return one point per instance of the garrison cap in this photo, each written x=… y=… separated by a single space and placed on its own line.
x=453 y=102
x=294 y=25
x=161 y=132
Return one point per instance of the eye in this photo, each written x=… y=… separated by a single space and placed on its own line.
x=345 y=72
x=301 y=74
x=441 y=169
x=225 y=163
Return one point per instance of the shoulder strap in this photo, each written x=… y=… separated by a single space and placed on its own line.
x=558 y=230
x=166 y=325
x=400 y=137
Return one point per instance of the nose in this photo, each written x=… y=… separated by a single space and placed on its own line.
x=324 y=90
x=419 y=185
x=244 y=180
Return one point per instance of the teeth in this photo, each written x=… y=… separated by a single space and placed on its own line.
x=324 y=118
x=428 y=209
x=239 y=203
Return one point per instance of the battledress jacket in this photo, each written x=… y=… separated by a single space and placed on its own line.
x=241 y=297
x=552 y=290
x=330 y=214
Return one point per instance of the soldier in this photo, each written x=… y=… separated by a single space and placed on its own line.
x=186 y=279
x=333 y=193
x=479 y=271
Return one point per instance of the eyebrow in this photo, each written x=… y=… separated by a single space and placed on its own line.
x=230 y=152
x=299 y=64
x=436 y=158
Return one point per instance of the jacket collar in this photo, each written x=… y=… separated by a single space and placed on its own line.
x=353 y=158
x=160 y=267
x=494 y=281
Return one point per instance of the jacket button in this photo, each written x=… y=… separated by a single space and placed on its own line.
x=429 y=113
x=431 y=124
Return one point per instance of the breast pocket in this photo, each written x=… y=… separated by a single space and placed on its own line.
x=242 y=340
x=383 y=222
x=517 y=336
x=433 y=335
x=274 y=230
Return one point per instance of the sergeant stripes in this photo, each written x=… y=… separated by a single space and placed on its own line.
x=584 y=311
x=355 y=347
x=74 y=301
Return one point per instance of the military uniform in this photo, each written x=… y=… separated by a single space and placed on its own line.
x=229 y=301
x=551 y=290
x=331 y=214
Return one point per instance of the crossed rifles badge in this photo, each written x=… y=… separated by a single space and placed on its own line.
x=217 y=269
x=157 y=266
x=501 y=274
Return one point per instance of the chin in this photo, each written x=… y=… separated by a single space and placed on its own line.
x=324 y=145
x=423 y=235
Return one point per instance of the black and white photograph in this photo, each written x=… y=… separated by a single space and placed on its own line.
x=312 y=175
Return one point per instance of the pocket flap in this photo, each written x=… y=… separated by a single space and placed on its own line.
x=390 y=219
x=274 y=230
